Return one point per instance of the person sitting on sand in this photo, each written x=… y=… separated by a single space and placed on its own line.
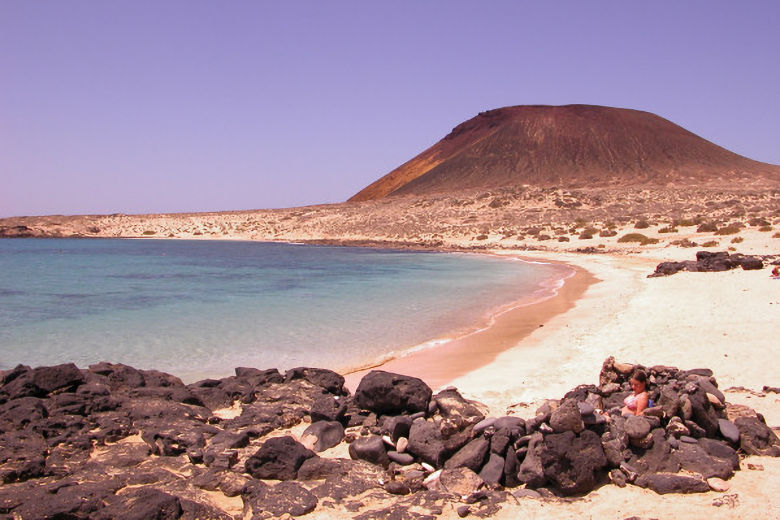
x=776 y=272
x=637 y=402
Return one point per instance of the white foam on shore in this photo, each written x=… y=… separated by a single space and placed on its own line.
x=548 y=288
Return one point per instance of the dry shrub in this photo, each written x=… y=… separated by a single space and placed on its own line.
x=638 y=237
x=765 y=228
x=711 y=243
x=668 y=229
x=685 y=222
x=642 y=224
x=758 y=221
x=684 y=243
x=731 y=229
x=706 y=227
x=737 y=240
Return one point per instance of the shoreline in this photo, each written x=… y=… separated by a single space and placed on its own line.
x=440 y=364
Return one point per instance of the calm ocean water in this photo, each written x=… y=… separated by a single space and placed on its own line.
x=200 y=308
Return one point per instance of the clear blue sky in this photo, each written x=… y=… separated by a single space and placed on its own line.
x=155 y=106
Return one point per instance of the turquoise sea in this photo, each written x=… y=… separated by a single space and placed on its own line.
x=200 y=308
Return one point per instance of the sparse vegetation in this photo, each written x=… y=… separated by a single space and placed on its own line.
x=668 y=229
x=642 y=224
x=563 y=239
x=776 y=235
x=731 y=229
x=758 y=221
x=765 y=228
x=711 y=243
x=149 y=232
x=638 y=237
x=684 y=222
x=607 y=233
x=684 y=243
x=482 y=237
x=588 y=233
x=737 y=240
x=706 y=227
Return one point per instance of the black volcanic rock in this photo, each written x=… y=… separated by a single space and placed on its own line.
x=387 y=393
x=278 y=458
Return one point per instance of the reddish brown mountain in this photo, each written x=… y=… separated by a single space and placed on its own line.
x=567 y=146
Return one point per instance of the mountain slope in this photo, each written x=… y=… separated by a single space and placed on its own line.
x=573 y=146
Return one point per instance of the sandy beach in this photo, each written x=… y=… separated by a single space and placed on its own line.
x=719 y=320
x=610 y=308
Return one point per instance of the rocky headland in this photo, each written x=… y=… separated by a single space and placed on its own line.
x=112 y=441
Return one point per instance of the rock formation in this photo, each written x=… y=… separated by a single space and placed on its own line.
x=112 y=441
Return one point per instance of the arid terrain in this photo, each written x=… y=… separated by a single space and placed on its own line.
x=613 y=196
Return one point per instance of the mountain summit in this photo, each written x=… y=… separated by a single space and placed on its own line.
x=567 y=146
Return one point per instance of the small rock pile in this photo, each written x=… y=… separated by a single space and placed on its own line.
x=112 y=441
x=707 y=261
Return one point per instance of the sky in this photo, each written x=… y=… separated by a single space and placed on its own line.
x=176 y=106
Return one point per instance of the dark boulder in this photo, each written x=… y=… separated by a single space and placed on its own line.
x=19 y=413
x=404 y=459
x=703 y=414
x=328 y=408
x=750 y=263
x=371 y=449
x=663 y=483
x=637 y=427
x=756 y=438
x=567 y=418
x=658 y=458
x=387 y=393
x=141 y=504
x=62 y=378
x=283 y=498
x=515 y=425
x=500 y=441
x=328 y=380
x=257 y=377
x=670 y=268
x=327 y=433
x=471 y=456
x=451 y=404
x=278 y=458
x=531 y=471
x=493 y=470
x=396 y=426
x=118 y=376
x=22 y=456
x=729 y=431
x=694 y=458
x=573 y=463
x=427 y=443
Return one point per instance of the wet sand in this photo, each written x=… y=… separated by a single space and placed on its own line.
x=441 y=364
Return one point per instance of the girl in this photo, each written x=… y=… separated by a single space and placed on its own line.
x=636 y=403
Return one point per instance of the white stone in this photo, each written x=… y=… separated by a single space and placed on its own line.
x=718 y=484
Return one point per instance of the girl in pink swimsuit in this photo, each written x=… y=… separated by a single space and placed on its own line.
x=636 y=403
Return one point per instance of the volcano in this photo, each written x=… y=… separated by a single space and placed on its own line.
x=567 y=146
